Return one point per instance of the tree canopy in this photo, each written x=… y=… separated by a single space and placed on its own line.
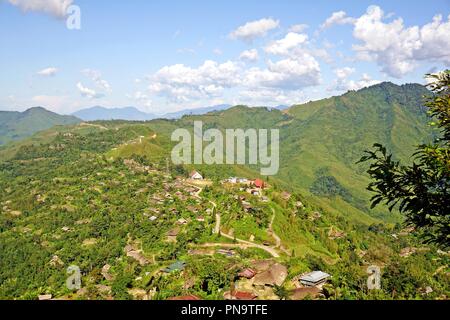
x=421 y=190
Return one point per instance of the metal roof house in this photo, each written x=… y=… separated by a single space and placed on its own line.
x=315 y=278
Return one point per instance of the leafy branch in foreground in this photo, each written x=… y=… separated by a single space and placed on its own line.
x=421 y=190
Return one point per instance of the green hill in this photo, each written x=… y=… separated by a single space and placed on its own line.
x=321 y=141
x=18 y=125
x=102 y=196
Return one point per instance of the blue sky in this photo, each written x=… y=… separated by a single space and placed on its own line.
x=163 y=56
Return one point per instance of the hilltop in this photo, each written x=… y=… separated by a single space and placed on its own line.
x=18 y=125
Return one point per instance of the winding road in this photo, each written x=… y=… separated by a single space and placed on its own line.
x=243 y=244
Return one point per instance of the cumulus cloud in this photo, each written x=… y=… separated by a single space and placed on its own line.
x=337 y=18
x=48 y=72
x=288 y=74
x=283 y=46
x=255 y=29
x=56 y=8
x=364 y=82
x=297 y=46
x=96 y=77
x=249 y=55
x=267 y=97
x=182 y=83
x=297 y=28
x=398 y=49
x=89 y=93
x=343 y=73
x=342 y=83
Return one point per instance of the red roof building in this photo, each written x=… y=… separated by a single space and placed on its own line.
x=259 y=183
x=242 y=295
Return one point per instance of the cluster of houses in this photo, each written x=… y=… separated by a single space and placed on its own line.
x=256 y=183
x=260 y=280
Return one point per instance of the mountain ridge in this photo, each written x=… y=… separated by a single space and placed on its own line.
x=15 y=125
x=133 y=114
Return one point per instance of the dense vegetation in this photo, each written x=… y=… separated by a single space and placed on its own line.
x=103 y=196
x=17 y=125
x=422 y=189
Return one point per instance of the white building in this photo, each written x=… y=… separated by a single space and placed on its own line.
x=196 y=176
x=315 y=278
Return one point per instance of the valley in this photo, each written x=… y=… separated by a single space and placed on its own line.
x=104 y=197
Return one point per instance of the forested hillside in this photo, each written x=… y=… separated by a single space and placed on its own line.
x=19 y=125
x=104 y=197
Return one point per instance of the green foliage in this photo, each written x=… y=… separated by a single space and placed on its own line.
x=420 y=190
x=16 y=125
x=86 y=192
x=328 y=186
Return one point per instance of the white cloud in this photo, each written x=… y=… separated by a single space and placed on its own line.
x=343 y=73
x=435 y=41
x=342 y=83
x=211 y=80
x=89 y=93
x=96 y=77
x=365 y=81
x=270 y=97
x=217 y=52
x=288 y=74
x=48 y=72
x=249 y=55
x=181 y=83
x=339 y=17
x=57 y=8
x=297 y=46
x=297 y=28
x=141 y=98
x=254 y=29
x=398 y=49
x=283 y=46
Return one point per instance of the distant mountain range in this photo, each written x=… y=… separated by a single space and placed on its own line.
x=18 y=125
x=197 y=111
x=133 y=114
x=102 y=113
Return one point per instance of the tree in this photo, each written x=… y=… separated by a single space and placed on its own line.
x=421 y=191
x=281 y=292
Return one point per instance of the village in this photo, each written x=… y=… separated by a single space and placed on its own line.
x=258 y=281
x=191 y=229
x=178 y=205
